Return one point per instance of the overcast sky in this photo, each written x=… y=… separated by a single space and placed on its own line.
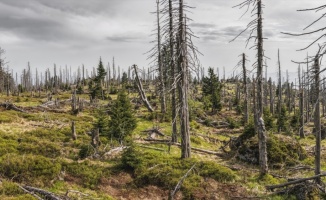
x=76 y=32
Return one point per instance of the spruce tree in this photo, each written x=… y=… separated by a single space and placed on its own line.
x=96 y=85
x=122 y=121
x=212 y=90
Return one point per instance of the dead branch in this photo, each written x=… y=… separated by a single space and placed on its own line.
x=178 y=186
x=272 y=187
x=141 y=91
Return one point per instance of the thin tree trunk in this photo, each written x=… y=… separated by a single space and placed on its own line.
x=160 y=64
x=301 y=105
x=183 y=86
x=246 y=106
x=262 y=137
x=317 y=119
x=173 y=91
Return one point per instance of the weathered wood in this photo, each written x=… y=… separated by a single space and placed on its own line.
x=272 y=187
x=73 y=131
x=317 y=123
x=178 y=186
x=46 y=194
x=141 y=91
x=11 y=106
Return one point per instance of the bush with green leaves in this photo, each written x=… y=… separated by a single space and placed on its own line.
x=164 y=170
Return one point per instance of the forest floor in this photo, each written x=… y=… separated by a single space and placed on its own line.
x=37 y=149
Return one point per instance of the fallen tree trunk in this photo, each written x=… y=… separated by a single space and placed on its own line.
x=47 y=195
x=141 y=91
x=11 y=106
x=272 y=187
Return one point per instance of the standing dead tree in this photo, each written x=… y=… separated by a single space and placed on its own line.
x=244 y=75
x=156 y=56
x=169 y=11
x=316 y=77
x=256 y=26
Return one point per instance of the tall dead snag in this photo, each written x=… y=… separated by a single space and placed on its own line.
x=141 y=91
x=279 y=107
x=159 y=59
x=257 y=25
x=301 y=104
x=316 y=74
x=183 y=85
x=271 y=96
x=242 y=64
x=172 y=73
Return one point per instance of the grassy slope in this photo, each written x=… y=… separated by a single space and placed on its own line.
x=36 y=149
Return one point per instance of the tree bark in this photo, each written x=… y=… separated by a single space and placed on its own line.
x=172 y=63
x=317 y=119
x=160 y=64
x=262 y=137
x=183 y=86
x=246 y=106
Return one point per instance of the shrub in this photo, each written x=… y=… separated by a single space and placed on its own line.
x=29 y=168
x=85 y=151
x=10 y=188
x=89 y=174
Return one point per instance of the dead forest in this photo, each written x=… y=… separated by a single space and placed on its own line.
x=175 y=130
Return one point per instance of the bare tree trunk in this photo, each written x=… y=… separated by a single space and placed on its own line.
x=246 y=106
x=183 y=86
x=301 y=105
x=271 y=97
x=261 y=127
x=279 y=89
x=160 y=65
x=317 y=118
x=173 y=90
x=73 y=131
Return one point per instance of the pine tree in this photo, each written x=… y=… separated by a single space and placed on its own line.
x=96 y=85
x=212 y=90
x=122 y=121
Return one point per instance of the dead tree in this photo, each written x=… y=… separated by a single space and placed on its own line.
x=73 y=131
x=244 y=73
x=316 y=74
x=301 y=104
x=279 y=107
x=271 y=96
x=159 y=60
x=141 y=91
x=183 y=84
x=257 y=25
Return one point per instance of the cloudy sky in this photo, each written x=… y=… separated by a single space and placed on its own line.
x=76 y=32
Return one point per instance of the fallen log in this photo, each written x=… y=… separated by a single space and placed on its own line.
x=11 y=106
x=272 y=187
x=47 y=195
